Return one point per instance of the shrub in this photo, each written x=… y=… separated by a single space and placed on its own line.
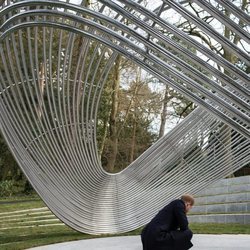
x=6 y=188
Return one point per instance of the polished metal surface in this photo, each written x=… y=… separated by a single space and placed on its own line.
x=50 y=94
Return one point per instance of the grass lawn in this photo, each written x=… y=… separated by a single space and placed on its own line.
x=219 y=228
x=19 y=239
x=11 y=205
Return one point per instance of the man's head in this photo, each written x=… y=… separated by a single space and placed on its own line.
x=188 y=200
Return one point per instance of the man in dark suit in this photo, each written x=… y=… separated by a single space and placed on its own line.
x=168 y=230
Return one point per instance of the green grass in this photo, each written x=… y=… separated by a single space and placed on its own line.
x=18 y=203
x=219 y=228
x=19 y=239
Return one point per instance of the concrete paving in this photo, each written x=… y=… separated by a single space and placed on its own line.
x=200 y=241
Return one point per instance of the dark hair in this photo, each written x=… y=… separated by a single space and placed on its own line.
x=188 y=198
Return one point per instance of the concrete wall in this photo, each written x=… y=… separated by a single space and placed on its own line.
x=226 y=201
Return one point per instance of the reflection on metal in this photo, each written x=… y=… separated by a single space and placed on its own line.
x=55 y=59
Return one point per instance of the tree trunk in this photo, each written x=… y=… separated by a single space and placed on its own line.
x=102 y=144
x=113 y=117
x=164 y=113
x=41 y=85
x=133 y=140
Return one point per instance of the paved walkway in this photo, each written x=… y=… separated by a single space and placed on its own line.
x=200 y=241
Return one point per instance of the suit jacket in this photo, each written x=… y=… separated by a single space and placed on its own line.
x=168 y=230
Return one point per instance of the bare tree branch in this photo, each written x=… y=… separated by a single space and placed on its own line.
x=204 y=39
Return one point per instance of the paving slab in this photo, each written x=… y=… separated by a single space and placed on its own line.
x=200 y=241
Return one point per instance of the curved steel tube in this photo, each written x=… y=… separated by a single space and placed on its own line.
x=50 y=96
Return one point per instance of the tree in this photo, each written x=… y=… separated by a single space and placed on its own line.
x=113 y=115
x=220 y=49
x=132 y=110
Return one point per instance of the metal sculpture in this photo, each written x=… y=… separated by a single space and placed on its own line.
x=54 y=141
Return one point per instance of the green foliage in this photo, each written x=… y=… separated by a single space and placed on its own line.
x=138 y=105
x=9 y=188
x=8 y=167
x=245 y=170
x=6 y=188
x=12 y=180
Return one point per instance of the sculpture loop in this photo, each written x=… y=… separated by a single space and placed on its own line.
x=50 y=94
